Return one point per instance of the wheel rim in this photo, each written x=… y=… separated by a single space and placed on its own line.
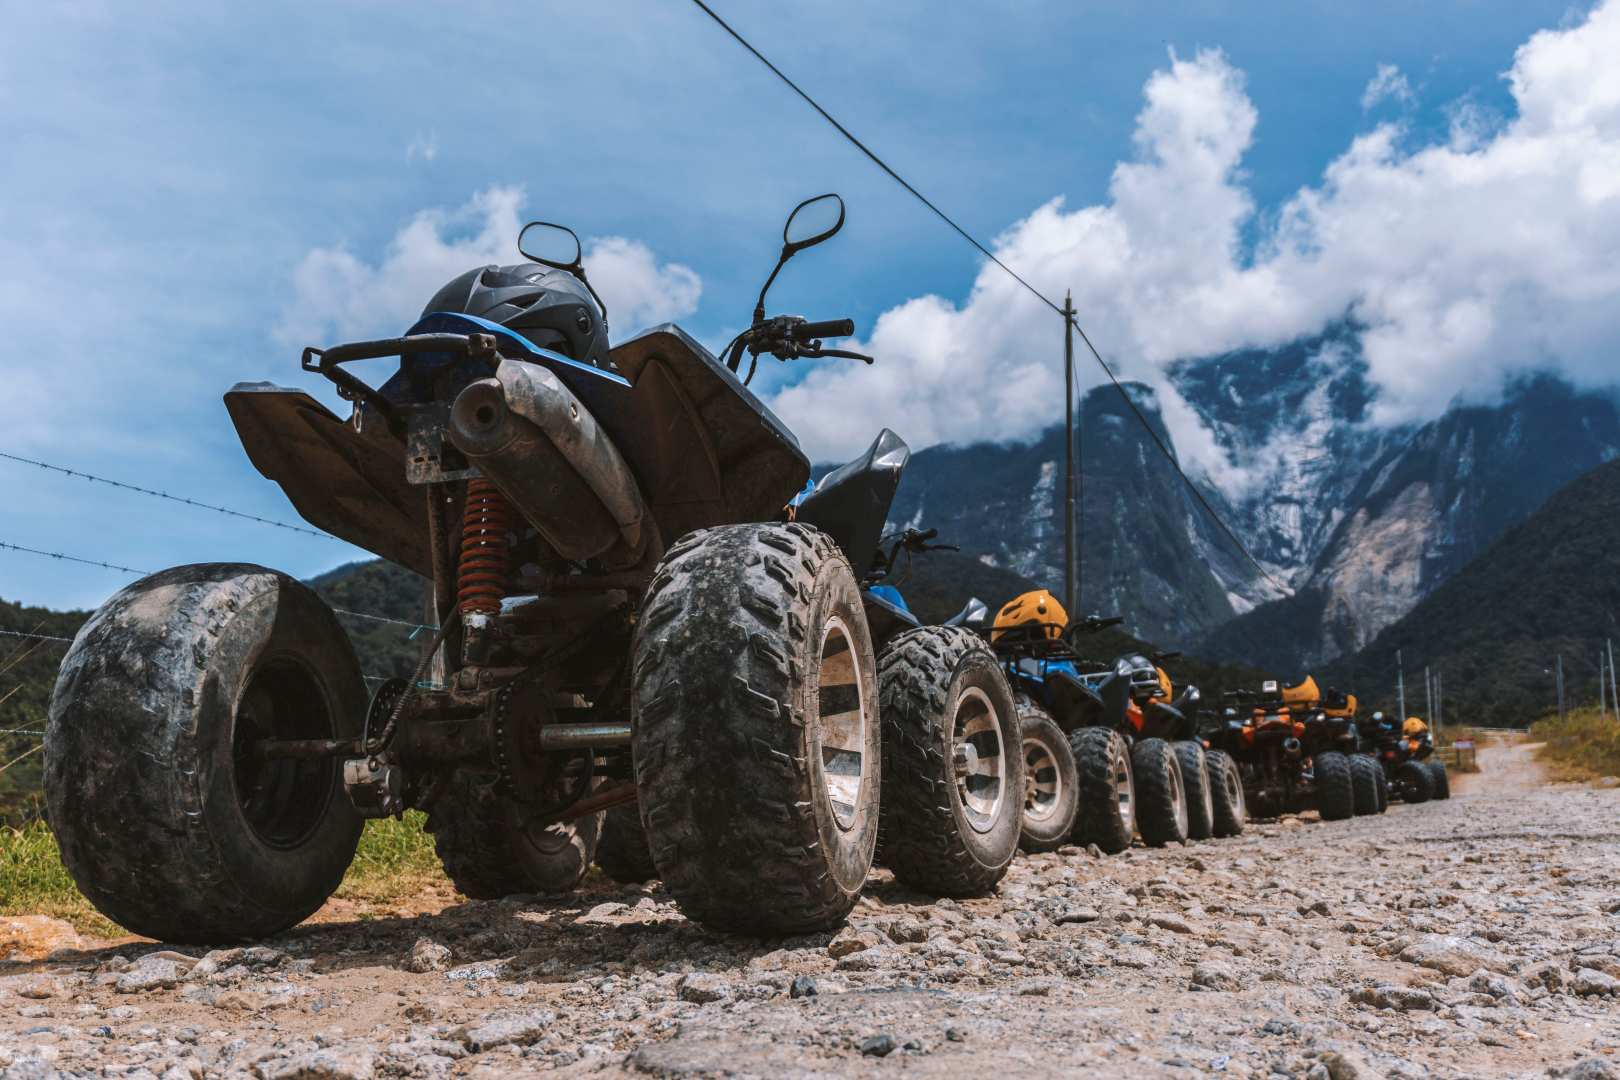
x=980 y=758
x=1119 y=773
x=841 y=708
x=282 y=800
x=1043 y=781
x=1178 y=797
x=1234 y=793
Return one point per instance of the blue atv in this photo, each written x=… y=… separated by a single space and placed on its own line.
x=952 y=770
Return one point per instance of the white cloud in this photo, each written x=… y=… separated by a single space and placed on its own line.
x=1387 y=85
x=1466 y=261
x=339 y=296
x=423 y=147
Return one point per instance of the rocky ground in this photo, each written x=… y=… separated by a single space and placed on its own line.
x=1476 y=937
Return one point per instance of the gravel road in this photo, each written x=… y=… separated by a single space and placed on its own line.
x=1475 y=937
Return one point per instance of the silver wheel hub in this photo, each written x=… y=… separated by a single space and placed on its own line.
x=1119 y=771
x=1178 y=797
x=979 y=758
x=841 y=713
x=1043 y=782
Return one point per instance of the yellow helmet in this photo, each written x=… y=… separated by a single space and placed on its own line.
x=1303 y=692
x=1039 y=608
x=1414 y=726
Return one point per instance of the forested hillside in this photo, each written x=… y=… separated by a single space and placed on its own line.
x=1549 y=586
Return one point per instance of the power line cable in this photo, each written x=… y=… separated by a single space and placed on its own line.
x=131 y=570
x=165 y=495
x=34 y=637
x=987 y=253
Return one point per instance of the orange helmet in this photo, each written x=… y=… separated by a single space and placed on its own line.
x=1037 y=608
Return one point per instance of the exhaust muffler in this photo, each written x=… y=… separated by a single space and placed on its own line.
x=537 y=442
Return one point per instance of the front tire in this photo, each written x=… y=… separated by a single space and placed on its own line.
x=1107 y=814
x=952 y=806
x=623 y=853
x=1161 y=792
x=168 y=819
x=1226 y=786
x=1439 y=782
x=490 y=845
x=1335 y=789
x=1195 y=777
x=1365 y=779
x=1051 y=782
x=755 y=729
x=1412 y=781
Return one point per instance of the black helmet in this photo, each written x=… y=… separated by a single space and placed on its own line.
x=552 y=308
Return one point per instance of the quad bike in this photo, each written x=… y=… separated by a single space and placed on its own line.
x=1293 y=748
x=949 y=822
x=1404 y=758
x=1087 y=721
x=624 y=616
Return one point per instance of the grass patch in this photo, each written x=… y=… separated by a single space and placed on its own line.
x=1581 y=746
x=395 y=860
x=33 y=881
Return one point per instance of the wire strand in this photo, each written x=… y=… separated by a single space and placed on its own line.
x=165 y=495
x=987 y=253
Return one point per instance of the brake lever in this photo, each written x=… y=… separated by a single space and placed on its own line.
x=844 y=353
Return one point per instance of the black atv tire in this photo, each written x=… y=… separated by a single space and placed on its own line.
x=1226 y=788
x=954 y=760
x=1107 y=811
x=1196 y=779
x=1335 y=787
x=1161 y=793
x=1051 y=781
x=1439 y=782
x=1365 y=778
x=755 y=823
x=490 y=848
x=167 y=820
x=622 y=851
x=1412 y=780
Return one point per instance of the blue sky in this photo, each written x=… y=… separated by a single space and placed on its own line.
x=170 y=168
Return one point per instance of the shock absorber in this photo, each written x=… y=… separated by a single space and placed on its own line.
x=486 y=549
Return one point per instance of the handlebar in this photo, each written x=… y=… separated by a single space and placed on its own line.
x=825 y=328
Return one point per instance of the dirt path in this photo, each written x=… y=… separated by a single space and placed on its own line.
x=1474 y=937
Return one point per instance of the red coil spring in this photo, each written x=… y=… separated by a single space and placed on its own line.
x=485 y=549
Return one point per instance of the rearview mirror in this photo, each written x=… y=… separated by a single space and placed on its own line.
x=550 y=245
x=813 y=221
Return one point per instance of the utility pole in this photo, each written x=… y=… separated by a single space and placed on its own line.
x=1071 y=598
x=1428 y=695
x=1560 y=686
x=1614 y=695
x=1400 y=684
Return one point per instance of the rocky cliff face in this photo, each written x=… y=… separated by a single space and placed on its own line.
x=1360 y=522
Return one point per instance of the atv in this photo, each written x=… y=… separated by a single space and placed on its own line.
x=1127 y=775
x=625 y=614
x=1293 y=748
x=1404 y=757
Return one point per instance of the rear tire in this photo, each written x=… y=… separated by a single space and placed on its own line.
x=490 y=847
x=1335 y=789
x=167 y=820
x=623 y=853
x=1107 y=810
x=1161 y=813
x=1365 y=779
x=952 y=807
x=1439 y=782
x=1195 y=778
x=1412 y=781
x=1226 y=787
x=755 y=729
x=1051 y=782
